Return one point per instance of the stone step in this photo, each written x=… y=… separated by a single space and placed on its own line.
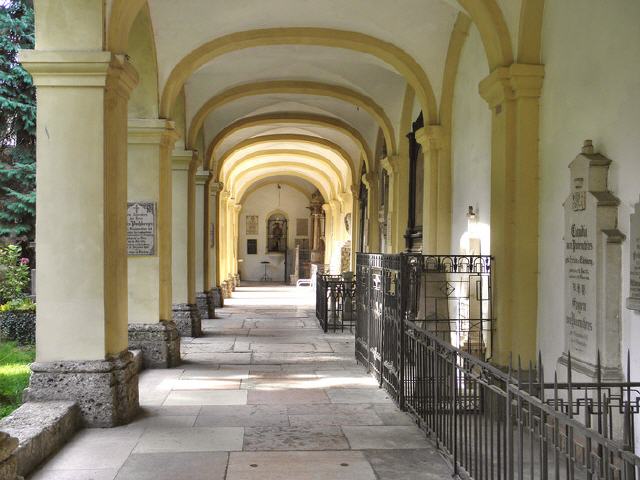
x=42 y=428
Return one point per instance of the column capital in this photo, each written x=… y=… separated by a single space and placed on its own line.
x=390 y=164
x=511 y=83
x=202 y=176
x=215 y=187
x=431 y=137
x=370 y=179
x=151 y=131
x=181 y=159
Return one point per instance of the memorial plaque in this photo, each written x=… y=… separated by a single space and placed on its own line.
x=592 y=256
x=302 y=227
x=252 y=246
x=252 y=224
x=633 y=302
x=141 y=229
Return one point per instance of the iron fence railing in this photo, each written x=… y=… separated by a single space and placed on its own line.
x=491 y=423
x=335 y=302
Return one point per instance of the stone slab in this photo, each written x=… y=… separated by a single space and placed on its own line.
x=178 y=465
x=422 y=464
x=207 y=397
x=384 y=437
x=294 y=438
x=196 y=439
x=335 y=465
x=285 y=397
x=102 y=474
x=368 y=418
x=358 y=395
x=242 y=416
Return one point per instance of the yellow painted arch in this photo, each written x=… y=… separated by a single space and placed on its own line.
x=294 y=138
x=311 y=175
x=284 y=161
x=326 y=37
x=530 y=32
x=294 y=118
x=265 y=183
x=488 y=18
x=294 y=87
x=294 y=157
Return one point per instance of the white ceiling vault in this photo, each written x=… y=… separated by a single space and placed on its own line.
x=372 y=90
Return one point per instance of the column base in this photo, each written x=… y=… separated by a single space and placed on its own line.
x=105 y=390
x=8 y=461
x=158 y=342
x=203 y=304
x=211 y=304
x=187 y=319
x=218 y=299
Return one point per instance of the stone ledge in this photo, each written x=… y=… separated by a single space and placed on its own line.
x=159 y=343
x=106 y=390
x=41 y=428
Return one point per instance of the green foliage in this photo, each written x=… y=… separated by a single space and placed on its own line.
x=19 y=305
x=14 y=375
x=17 y=124
x=14 y=273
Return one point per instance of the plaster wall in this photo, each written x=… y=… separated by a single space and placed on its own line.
x=200 y=199
x=143 y=180
x=590 y=91
x=263 y=202
x=179 y=230
x=471 y=145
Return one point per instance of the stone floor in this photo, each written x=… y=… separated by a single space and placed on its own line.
x=263 y=395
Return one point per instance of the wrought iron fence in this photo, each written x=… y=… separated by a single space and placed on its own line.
x=492 y=424
x=335 y=302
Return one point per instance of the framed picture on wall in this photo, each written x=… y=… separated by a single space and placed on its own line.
x=252 y=224
x=252 y=246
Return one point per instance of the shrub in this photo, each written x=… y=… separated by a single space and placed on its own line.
x=19 y=326
x=14 y=273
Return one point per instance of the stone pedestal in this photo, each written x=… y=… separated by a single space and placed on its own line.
x=8 y=464
x=203 y=304
x=187 y=319
x=218 y=298
x=211 y=304
x=105 y=390
x=158 y=342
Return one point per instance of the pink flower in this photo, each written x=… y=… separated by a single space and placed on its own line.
x=24 y=261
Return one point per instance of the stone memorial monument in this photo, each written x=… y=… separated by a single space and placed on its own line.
x=592 y=269
x=141 y=229
x=633 y=301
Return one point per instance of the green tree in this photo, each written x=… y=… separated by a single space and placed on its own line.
x=17 y=125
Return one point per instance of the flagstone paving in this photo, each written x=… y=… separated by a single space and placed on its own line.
x=262 y=395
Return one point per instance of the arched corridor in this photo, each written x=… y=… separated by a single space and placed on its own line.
x=263 y=393
x=266 y=232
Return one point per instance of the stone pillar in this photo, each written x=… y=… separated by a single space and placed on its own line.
x=513 y=95
x=185 y=312
x=371 y=180
x=392 y=171
x=151 y=328
x=82 y=349
x=216 y=298
x=8 y=462
x=400 y=166
x=201 y=227
x=437 y=194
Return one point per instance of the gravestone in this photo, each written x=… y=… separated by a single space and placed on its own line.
x=633 y=301
x=141 y=229
x=592 y=266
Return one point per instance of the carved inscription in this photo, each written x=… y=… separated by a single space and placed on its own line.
x=141 y=228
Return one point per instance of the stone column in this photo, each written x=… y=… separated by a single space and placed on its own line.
x=185 y=312
x=513 y=95
x=201 y=227
x=400 y=167
x=435 y=191
x=82 y=347
x=371 y=180
x=215 y=292
x=151 y=328
x=392 y=171
x=328 y=232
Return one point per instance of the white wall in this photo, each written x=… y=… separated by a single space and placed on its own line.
x=471 y=143
x=263 y=202
x=591 y=50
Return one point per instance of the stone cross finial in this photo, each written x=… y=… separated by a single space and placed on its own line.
x=587 y=147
